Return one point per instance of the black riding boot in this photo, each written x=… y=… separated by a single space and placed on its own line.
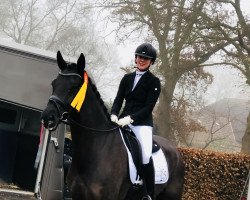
x=149 y=177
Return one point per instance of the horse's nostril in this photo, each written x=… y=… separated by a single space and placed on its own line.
x=50 y=123
x=51 y=120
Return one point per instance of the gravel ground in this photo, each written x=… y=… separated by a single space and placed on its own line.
x=15 y=196
x=13 y=192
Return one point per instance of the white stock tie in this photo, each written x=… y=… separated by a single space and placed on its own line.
x=137 y=78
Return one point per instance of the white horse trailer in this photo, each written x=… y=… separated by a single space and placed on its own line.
x=25 y=172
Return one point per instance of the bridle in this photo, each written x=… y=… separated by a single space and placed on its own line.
x=64 y=116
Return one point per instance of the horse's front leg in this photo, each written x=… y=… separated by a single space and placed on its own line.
x=97 y=190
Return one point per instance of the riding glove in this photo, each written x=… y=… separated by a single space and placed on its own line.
x=114 y=118
x=125 y=121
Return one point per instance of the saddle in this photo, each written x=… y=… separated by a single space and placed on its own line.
x=135 y=148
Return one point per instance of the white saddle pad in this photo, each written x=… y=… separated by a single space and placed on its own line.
x=160 y=166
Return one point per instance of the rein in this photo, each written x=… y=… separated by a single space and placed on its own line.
x=65 y=116
x=92 y=129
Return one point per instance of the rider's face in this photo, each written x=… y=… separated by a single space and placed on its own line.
x=142 y=62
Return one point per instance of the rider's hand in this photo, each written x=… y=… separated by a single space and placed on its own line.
x=114 y=118
x=125 y=121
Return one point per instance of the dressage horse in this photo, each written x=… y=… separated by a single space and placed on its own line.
x=99 y=169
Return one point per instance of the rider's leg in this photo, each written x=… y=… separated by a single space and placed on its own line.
x=145 y=136
x=149 y=176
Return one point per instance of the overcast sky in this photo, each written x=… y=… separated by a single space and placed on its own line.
x=228 y=82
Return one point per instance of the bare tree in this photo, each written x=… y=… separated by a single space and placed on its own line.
x=218 y=122
x=183 y=40
x=68 y=26
x=237 y=55
x=42 y=25
x=246 y=138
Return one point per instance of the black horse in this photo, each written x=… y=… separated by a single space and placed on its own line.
x=99 y=169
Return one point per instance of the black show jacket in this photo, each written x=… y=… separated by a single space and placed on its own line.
x=139 y=102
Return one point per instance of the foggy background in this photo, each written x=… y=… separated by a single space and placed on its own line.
x=190 y=39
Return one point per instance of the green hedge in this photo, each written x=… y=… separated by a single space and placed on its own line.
x=212 y=175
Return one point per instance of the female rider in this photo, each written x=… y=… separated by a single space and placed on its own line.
x=141 y=90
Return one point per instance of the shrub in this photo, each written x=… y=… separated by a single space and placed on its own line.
x=212 y=175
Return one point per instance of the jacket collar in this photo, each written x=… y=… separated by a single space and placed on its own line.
x=142 y=79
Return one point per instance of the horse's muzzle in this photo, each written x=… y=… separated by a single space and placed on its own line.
x=49 y=120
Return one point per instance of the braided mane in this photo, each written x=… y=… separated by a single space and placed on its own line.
x=94 y=88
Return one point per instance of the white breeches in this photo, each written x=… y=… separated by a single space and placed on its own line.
x=145 y=136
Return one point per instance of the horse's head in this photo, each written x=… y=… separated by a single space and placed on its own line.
x=64 y=89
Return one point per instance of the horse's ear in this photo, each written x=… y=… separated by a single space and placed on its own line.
x=81 y=64
x=60 y=61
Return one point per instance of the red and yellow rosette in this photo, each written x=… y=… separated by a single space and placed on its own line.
x=80 y=96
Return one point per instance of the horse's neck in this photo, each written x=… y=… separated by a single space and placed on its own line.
x=96 y=151
x=94 y=145
x=90 y=144
x=92 y=113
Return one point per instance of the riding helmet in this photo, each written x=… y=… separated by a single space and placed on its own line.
x=146 y=50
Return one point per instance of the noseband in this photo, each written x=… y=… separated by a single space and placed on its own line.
x=60 y=104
